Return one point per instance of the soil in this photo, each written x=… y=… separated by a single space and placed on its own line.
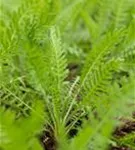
x=120 y=148
x=48 y=141
x=127 y=127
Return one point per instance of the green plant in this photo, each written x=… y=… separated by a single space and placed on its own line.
x=128 y=140
x=79 y=114
x=22 y=133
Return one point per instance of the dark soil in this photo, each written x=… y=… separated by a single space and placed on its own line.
x=73 y=71
x=127 y=127
x=48 y=141
x=120 y=148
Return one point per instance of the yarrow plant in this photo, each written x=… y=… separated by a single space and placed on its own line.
x=42 y=100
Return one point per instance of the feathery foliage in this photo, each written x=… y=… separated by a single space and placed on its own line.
x=40 y=40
